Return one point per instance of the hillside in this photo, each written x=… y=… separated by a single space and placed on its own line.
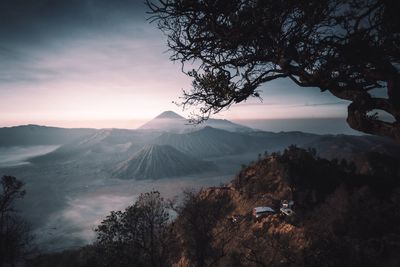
x=340 y=216
x=106 y=146
x=213 y=142
x=207 y=142
x=349 y=146
x=29 y=135
x=160 y=161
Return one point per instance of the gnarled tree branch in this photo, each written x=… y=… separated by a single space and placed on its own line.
x=346 y=47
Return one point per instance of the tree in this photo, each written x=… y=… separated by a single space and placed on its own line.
x=203 y=243
x=137 y=236
x=15 y=234
x=346 y=47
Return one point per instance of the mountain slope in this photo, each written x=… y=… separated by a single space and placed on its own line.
x=169 y=121
x=226 y=125
x=211 y=142
x=279 y=141
x=207 y=142
x=339 y=216
x=105 y=145
x=160 y=161
x=166 y=121
x=350 y=147
x=28 y=135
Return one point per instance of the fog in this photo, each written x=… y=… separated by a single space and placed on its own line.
x=73 y=224
x=16 y=156
x=71 y=190
x=64 y=204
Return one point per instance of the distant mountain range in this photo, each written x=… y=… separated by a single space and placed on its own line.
x=29 y=135
x=166 y=146
x=207 y=142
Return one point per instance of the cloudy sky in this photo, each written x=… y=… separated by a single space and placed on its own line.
x=99 y=63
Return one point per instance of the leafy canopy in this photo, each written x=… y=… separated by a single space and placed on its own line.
x=136 y=236
x=346 y=47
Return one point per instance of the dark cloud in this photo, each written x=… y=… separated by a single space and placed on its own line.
x=30 y=29
x=23 y=21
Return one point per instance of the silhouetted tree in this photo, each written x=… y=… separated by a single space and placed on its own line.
x=264 y=249
x=137 y=236
x=354 y=225
x=15 y=234
x=346 y=47
x=203 y=244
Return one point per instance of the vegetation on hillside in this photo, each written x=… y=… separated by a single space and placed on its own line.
x=341 y=216
x=15 y=235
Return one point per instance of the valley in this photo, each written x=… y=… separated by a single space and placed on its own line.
x=73 y=185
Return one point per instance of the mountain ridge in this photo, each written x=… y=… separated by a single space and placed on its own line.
x=32 y=134
x=170 y=121
x=160 y=161
x=170 y=115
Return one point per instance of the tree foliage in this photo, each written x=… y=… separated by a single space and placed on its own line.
x=136 y=236
x=197 y=224
x=346 y=47
x=15 y=234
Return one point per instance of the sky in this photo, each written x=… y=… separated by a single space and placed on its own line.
x=101 y=64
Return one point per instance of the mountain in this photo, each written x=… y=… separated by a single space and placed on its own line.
x=212 y=142
x=206 y=142
x=352 y=147
x=105 y=145
x=160 y=161
x=279 y=141
x=338 y=216
x=169 y=121
x=115 y=137
x=363 y=151
x=29 y=135
x=226 y=125
x=169 y=115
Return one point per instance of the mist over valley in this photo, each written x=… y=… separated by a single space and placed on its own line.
x=71 y=186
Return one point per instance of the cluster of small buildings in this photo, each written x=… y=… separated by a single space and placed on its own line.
x=286 y=209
